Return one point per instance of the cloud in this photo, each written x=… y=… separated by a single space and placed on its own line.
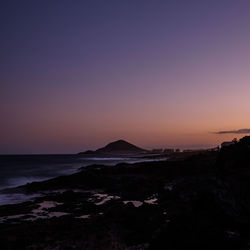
x=239 y=131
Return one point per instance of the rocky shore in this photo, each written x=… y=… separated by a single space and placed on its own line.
x=199 y=201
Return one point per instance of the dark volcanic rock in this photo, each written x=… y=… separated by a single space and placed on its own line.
x=117 y=147
x=236 y=156
x=195 y=202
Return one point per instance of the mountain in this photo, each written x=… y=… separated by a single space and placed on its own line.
x=117 y=147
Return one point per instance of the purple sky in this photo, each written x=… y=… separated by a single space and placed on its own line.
x=77 y=74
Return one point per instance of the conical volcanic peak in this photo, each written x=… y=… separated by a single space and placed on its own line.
x=118 y=147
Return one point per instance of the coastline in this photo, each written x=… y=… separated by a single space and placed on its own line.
x=18 y=170
x=130 y=206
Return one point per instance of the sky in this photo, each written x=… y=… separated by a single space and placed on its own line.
x=75 y=75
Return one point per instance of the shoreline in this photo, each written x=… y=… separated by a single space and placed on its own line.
x=134 y=206
x=56 y=165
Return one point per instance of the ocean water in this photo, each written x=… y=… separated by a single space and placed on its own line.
x=16 y=170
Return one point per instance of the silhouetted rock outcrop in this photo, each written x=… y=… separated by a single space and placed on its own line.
x=235 y=156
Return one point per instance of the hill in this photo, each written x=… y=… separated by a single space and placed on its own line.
x=117 y=147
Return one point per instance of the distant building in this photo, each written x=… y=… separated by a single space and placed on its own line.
x=214 y=149
x=177 y=150
x=228 y=143
x=157 y=151
x=191 y=150
x=168 y=150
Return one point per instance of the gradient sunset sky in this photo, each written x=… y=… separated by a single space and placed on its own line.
x=76 y=75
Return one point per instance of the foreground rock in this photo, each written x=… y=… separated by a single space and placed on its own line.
x=199 y=202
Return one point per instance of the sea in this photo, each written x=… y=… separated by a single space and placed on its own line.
x=17 y=170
